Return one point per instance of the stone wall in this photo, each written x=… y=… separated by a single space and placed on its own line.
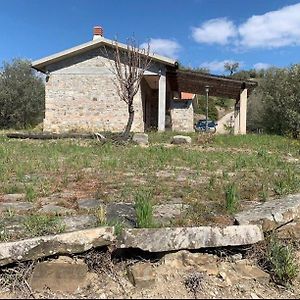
x=81 y=97
x=182 y=115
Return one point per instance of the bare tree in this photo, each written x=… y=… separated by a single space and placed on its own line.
x=231 y=67
x=129 y=66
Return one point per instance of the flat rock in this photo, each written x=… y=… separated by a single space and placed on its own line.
x=16 y=206
x=169 y=239
x=65 y=243
x=272 y=213
x=63 y=274
x=13 y=197
x=88 y=203
x=55 y=209
x=165 y=213
x=140 y=138
x=181 y=139
x=141 y=275
x=79 y=222
x=121 y=212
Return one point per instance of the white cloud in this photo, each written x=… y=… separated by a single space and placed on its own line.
x=163 y=47
x=218 y=65
x=215 y=31
x=260 y=66
x=273 y=29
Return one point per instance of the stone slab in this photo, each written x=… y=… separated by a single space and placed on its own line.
x=63 y=274
x=65 y=243
x=55 y=209
x=74 y=223
x=13 y=197
x=16 y=206
x=169 y=239
x=272 y=213
x=89 y=203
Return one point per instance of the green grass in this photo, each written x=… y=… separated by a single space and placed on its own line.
x=282 y=261
x=37 y=225
x=232 y=198
x=144 y=208
x=255 y=163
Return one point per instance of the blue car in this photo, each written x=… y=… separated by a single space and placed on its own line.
x=200 y=126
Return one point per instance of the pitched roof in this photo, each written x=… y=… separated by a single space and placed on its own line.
x=41 y=63
x=187 y=96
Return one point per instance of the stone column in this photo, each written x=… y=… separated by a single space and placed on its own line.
x=162 y=88
x=243 y=111
x=236 y=129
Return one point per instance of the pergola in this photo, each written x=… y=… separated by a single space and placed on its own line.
x=220 y=86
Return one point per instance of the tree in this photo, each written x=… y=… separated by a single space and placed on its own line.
x=231 y=67
x=274 y=106
x=129 y=66
x=21 y=95
x=280 y=90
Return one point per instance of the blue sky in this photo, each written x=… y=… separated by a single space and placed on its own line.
x=205 y=33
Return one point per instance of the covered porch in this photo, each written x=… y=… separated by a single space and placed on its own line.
x=174 y=80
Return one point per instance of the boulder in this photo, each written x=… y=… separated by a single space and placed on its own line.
x=141 y=275
x=65 y=243
x=169 y=239
x=140 y=138
x=181 y=139
x=272 y=213
x=63 y=274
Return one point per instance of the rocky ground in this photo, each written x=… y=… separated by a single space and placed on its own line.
x=176 y=275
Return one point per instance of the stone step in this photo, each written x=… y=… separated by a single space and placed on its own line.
x=272 y=213
x=65 y=243
x=170 y=239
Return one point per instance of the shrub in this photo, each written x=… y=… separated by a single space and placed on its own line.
x=282 y=261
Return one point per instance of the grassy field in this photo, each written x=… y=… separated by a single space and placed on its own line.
x=218 y=176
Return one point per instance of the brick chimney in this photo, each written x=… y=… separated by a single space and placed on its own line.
x=97 y=32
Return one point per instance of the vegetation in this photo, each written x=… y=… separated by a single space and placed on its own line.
x=260 y=166
x=21 y=95
x=37 y=225
x=144 y=209
x=274 y=105
x=232 y=198
x=282 y=261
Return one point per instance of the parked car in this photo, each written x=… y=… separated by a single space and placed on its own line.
x=200 y=126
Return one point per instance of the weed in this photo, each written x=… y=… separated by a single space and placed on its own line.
x=193 y=283
x=37 y=225
x=100 y=214
x=232 y=198
x=264 y=194
x=282 y=260
x=144 y=208
x=4 y=235
x=30 y=193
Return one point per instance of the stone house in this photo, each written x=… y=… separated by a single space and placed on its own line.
x=80 y=95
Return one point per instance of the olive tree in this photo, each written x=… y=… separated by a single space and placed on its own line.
x=21 y=95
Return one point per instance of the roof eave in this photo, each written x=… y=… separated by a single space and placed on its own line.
x=40 y=64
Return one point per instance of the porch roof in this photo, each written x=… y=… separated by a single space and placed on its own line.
x=220 y=86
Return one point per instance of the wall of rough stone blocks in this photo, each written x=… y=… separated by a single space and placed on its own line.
x=81 y=97
x=182 y=116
